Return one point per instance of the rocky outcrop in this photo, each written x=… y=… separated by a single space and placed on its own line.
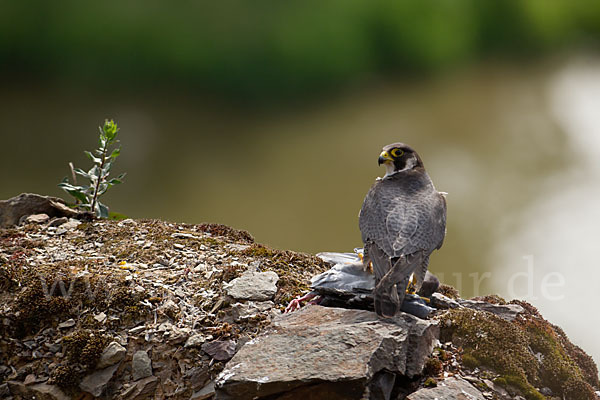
x=28 y=204
x=451 y=388
x=150 y=309
x=327 y=347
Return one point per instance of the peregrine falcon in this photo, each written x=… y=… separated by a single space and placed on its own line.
x=402 y=220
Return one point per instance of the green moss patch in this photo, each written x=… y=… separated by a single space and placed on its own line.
x=84 y=347
x=228 y=232
x=528 y=353
x=448 y=291
x=82 y=350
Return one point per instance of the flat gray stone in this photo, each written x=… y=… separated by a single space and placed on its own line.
x=451 y=388
x=335 y=349
x=40 y=391
x=195 y=340
x=507 y=312
x=58 y=221
x=95 y=383
x=144 y=388
x=141 y=365
x=112 y=354
x=67 y=324
x=260 y=286
x=220 y=350
x=440 y=301
x=37 y=219
x=70 y=224
x=207 y=392
x=250 y=309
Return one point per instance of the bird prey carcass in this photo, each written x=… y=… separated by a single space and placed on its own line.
x=402 y=221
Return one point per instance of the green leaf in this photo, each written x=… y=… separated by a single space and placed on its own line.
x=115 y=153
x=115 y=181
x=102 y=140
x=101 y=210
x=94 y=159
x=110 y=129
x=94 y=172
x=67 y=185
x=78 y=195
x=102 y=188
x=81 y=172
x=106 y=169
x=74 y=191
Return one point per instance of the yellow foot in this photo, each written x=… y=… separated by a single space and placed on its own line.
x=412 y=285
x=367 y=267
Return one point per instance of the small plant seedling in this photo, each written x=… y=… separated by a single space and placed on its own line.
x=87 y=196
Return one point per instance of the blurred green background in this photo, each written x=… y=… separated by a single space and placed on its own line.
x=269 y=50
x=269 y=116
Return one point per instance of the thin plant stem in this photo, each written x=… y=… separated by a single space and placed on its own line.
x=100 y=177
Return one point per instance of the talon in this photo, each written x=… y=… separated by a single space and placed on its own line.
x=412 y=285
x=369 y=266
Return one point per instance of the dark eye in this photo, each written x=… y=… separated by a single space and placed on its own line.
x=396 y=153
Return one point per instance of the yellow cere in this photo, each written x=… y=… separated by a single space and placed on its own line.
x=385 y=155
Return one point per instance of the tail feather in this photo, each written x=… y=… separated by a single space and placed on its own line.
x=390 y=289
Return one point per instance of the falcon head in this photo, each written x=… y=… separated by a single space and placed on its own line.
x=399 y=157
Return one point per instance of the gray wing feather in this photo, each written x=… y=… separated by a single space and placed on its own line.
x=381 y=261
x=403 y=217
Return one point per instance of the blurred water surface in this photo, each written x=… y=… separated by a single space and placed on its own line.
x=516 y=147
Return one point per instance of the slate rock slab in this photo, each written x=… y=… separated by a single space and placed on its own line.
x=144 y=389
x=507 y=312
x=451 y=388
x=112 y=354
x=40 y=391
x=220 y=350
x=96 y=382
x=25 y=204
x=260 y=286
x=141 y=365
x=339 y=350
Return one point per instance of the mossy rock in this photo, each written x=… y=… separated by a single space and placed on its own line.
x=528 y=353
x=84 y=347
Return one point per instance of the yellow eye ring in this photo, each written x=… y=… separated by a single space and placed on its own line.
x=396 y=153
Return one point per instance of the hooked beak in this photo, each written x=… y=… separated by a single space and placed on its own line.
x=384 y=157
